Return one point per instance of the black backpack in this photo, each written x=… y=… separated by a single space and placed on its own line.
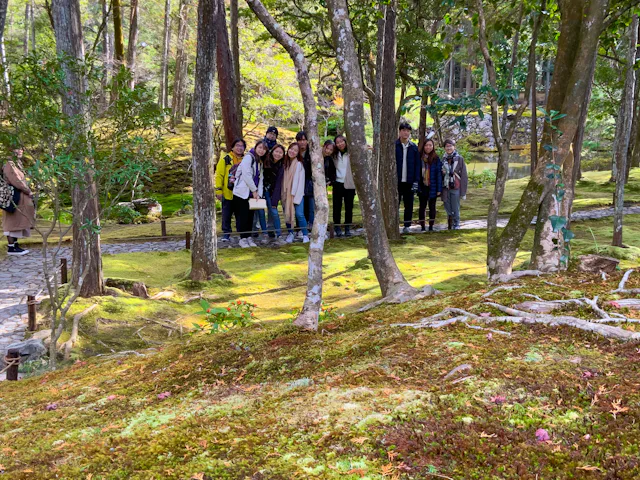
x=9 y=196
x=231 y=180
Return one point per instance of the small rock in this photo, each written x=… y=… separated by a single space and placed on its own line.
x=44 y=335
x=31 y=349
x=597 y=263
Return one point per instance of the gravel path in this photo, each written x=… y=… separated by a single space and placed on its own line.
x=22 y=276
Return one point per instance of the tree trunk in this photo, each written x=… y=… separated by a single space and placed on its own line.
x=106 y=52
x=178 y=100
x=204 y=244
x=5 y=66
x=118 y=36
x=623 y=133
x=226 y=80
x=580 y=27
x=452 y=77
x=32 y=21
x=163 y=96
x=388 y=179
x=634 y=147
x=534 y=120
x=422 y=125
x=87 y=258
x=25 y=37
x=392 y=282
x=308 y=317
x=132 y=47
x=376 y=104
x=235 y=54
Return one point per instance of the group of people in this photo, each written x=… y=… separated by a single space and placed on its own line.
x=282 y=175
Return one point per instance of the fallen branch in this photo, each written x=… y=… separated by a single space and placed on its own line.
x=535 y=297
x=594 y=306
x=503 y=287
x=476 y=327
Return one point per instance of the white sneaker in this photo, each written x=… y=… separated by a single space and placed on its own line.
x=251 y=243
x=305 y=239
x=300 y=234
x=243 y=243
x=290 y=238
x=280 y=240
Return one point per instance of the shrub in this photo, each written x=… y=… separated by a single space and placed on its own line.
x=124 y=214
x=480 y=180
x=236 y=314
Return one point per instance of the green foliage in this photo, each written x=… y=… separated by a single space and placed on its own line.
x=219 y=319
x=482 y=179
x=124 y=214
x=328 y=313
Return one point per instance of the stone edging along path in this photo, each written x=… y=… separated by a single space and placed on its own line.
x=22 y=276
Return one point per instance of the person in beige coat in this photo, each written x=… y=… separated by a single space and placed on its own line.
x=18 y=224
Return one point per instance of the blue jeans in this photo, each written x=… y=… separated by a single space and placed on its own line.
x=309 y=209
x=274 y=217
x=302 y=222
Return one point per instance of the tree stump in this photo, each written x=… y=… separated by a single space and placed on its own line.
x=597 y=263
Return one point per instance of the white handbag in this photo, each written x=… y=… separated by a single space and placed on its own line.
x=257 y=204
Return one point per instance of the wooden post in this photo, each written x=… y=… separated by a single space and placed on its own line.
x=12 y=372
x=187 y=240
x=31 y=309
x=163 y=227
x=332 y=231
x=63 y=271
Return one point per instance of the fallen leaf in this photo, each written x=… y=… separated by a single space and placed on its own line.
x=357 y=471
x=542 y=435
x=590 y=468
x=487 y=435
x=616 y=408
x=391 y=455
x=359 y=440
x=386 y=469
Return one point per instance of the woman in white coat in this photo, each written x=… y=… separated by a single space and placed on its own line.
x=293 y=192
x=249 y=183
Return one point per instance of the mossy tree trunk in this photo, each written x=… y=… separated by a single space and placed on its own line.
x=118 y=36
x=227 y=84
x=392 y=282
x=204 y=244
x=623 y=133
x=235 y=54
x=308 y=317
x=581 y=24
x=179 y=98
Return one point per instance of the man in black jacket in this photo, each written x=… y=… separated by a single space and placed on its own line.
x=408 y=165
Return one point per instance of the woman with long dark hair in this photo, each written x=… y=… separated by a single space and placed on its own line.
x=344 y=188
x=292 y=195
x=273 y=175
x=309 y=201
x=430 y=184
x=249 y=183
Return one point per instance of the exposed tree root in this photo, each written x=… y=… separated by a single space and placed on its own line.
x=621 y=289
x=504 y=278
x=500 y=288
x=518 y=316
x=68 y=345
x=402 y=295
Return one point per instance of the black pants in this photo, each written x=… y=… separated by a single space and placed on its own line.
x=405 y=195
x=424 y=200
x=244 y=216
x=341 y=194
x=227 y=213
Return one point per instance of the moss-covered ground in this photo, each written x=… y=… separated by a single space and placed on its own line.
x=361 y=399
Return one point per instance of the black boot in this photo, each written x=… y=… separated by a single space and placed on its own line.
x=450 y=222
x=338 y=231
x=347 y=231
x=431 y=222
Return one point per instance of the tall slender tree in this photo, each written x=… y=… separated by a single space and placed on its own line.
x=178 y=100
x=235 y=53
x=164 y=62
x=3 y=58
x=226 y=79
x=107 y=51
x=204 y=246
x=623 y=134
x=87 y=257
x=308 y=317
x=132 y=46
x=118 y=35
x=394 y=286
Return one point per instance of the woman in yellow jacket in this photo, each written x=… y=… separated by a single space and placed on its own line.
x=224 y=189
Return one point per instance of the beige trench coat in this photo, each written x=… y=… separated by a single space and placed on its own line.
x=24 y=216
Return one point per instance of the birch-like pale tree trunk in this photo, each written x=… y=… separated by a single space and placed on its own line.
x=394 y=286
x=570 y=89
x=204 y=248
x=308 y=317
x=87 y=256
x=32 y=22
x=132 y=46
x=25 y=36
x=623 y=134
x=3 y=58
x=166 y=43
